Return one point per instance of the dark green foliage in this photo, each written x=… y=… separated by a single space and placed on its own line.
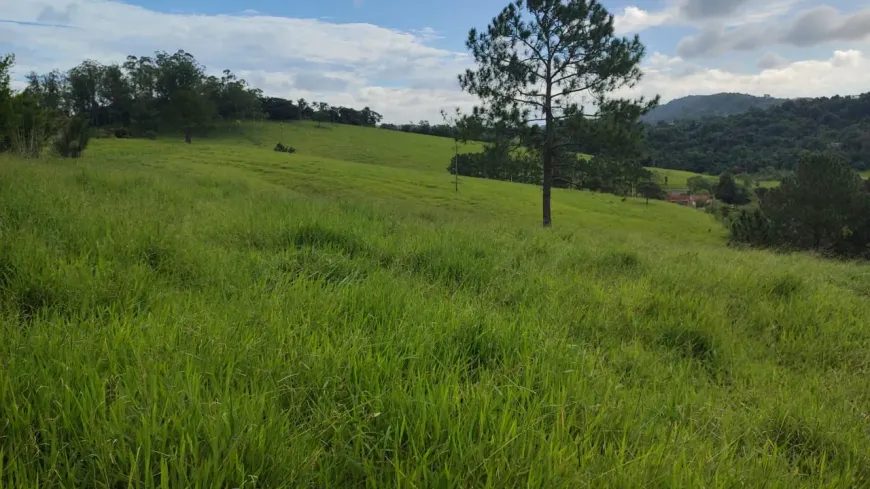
x=6 y=63
x=730 y=192
x=497 y=163
x=29 y=125
x=700 y=185
x=73 y=138
x=121 y=132
x=766 y=140
x=825 y=207
x=650 y=189
x=535 y=59
x=284 y=149
x=696 y=107
x=751 y=226
x=620 y=177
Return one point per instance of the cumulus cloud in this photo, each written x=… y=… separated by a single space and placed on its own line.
x=810 y=28
x=319 y=58
x=702 y=12
x=707 y=9
x=634 y=19
x=825 y=24
x=844 y=73
x=771 y=60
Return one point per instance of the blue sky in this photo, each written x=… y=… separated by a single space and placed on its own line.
x=401 y=57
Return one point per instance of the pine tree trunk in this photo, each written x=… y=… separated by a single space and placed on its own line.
x=549 y=147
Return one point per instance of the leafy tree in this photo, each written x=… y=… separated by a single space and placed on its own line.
x=6 y=63
x=700 y=184
x=180 y=94
x=52 y=89
x=650 y=189
x=115 y=92
x=538 y=57
x=84 y=84
x=30 y=126
x=303 y=108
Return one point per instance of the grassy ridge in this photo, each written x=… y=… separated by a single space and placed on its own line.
x=218 y=315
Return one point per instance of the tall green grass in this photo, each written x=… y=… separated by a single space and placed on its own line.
x=218 y=315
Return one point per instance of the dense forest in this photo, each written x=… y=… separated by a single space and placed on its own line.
x=696 y=107
x=762 y=140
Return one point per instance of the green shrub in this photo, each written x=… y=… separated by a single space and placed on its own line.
x=284 y=149
x=73 y=138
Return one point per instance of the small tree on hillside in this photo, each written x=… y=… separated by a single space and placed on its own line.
x=650 y=189
x=539 y=57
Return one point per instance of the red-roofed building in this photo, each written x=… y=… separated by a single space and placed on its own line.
x=689 y=200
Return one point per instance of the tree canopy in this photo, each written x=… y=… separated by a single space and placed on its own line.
x=766 y=140
x=149 y=94
x=824 y=206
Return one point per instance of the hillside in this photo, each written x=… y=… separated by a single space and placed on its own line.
x=775 y=137
x=222 y=315
x=353 y=143
x=695 y=107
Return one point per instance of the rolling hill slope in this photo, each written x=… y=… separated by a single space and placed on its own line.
x=221 y=315
x=354 y=143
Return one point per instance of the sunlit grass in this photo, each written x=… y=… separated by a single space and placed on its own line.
x=221 y=315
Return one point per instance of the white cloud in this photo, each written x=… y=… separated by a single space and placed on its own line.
x=843 y=73
x=352 y=58
x=730 y=13
x=809 y=28
x=634 y=19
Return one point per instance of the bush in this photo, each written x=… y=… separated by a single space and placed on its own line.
x=150 y=135
x=284 y=149
x=73 y=138
x=121 y=132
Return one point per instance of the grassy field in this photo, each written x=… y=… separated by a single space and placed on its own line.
x=676 y=179
x=221 y=315
x=358 y=144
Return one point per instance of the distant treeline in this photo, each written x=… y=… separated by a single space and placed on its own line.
x=147 y=95
x=766 y=140
x=619 y=176
x=279 y=109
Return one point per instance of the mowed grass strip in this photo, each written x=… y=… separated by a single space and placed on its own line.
x=202 y=316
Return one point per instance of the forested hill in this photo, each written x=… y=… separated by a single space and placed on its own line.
x=774 y=137
x=696 y=107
